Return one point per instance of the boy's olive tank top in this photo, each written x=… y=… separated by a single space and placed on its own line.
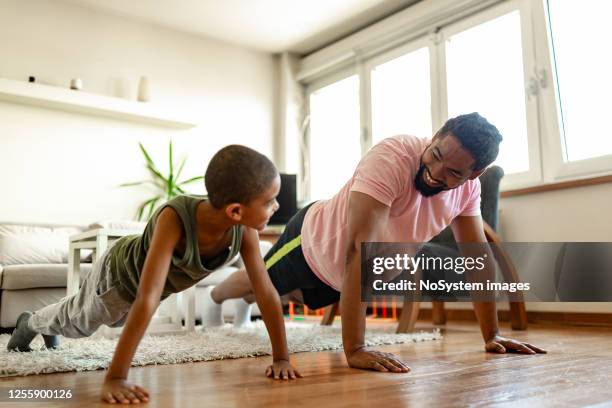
x=127 y=255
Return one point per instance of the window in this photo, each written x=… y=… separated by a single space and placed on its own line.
x=579 y=33
x=335 y=147
x=401 y=97
x=484 y=67
x=536 y=69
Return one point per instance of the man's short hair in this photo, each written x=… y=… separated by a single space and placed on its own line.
x=476 y=135
x=238 y=174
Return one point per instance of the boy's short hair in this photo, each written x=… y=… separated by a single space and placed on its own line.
x=237 y=174
x=477 y=135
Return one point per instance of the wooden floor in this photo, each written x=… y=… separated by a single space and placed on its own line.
x=451 y=372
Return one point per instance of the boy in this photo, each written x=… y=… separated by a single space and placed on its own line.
x=185 y=240
x=405 y=189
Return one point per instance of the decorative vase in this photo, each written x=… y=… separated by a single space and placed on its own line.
x=76 y=84
x=144 y=90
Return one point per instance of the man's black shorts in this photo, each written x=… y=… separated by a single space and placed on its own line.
x=288 y=269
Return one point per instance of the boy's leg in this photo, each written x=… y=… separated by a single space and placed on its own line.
x=72 y=316
x=97 y=302
x=51 y=320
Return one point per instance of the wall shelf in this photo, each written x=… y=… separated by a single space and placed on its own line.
x=68 y=100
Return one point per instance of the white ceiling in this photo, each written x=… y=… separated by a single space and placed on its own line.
x=300 y=26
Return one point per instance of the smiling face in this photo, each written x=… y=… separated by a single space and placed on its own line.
x=256 y=214
x=445 y=164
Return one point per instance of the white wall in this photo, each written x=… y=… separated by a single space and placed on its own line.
x=572 y=215
x=59 y=167
x=577 y=214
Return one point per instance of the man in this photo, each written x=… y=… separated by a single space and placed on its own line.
x=405 y=189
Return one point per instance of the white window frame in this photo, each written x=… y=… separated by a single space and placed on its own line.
x=310 y=89
x=373 y=62
x=544 y=137
x=556 y=168
x=534 y=174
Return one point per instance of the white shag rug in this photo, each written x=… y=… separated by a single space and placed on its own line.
x=96 y=352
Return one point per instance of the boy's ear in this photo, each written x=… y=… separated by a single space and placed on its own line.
x=234 y=212
x=476 y=174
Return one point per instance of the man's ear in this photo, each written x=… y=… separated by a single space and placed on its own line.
x=234 y=211
x=476 y=174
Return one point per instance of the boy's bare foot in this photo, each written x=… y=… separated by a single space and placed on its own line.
x=119 y=391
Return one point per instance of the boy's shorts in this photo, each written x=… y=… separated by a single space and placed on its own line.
x=288 y=269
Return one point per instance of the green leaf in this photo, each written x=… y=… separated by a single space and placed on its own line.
x=145 y=204
x=150 y=165
x=191 y=180
x=180 y=190
x=170 y=157
x=146 y=155
x=152 y=207
x=171 y=166
x=136 y=183
x=180 y=169
x=140 y=211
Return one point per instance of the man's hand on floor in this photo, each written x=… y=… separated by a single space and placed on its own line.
x=120 y=391
x=501 y=345
x=376 y=360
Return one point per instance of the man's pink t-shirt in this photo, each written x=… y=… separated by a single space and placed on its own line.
x=385 y=173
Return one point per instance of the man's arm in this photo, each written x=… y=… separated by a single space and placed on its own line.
x=471 y=230
x=270 y=306
x=166 y=235
x=367 y=219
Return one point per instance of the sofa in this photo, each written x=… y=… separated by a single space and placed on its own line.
x=34 y=267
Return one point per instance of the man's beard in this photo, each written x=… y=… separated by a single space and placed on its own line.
x=422 y=187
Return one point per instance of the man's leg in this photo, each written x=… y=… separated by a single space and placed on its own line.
x=237 y=286
x=286 y=267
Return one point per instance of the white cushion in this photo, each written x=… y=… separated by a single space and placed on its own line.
x=32 y=244
x=14 y=302
x=17 y=277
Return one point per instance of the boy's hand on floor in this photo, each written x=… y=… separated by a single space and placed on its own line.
x=282 y=370
x=120 y=391
x=376 y=360
x=501 y=345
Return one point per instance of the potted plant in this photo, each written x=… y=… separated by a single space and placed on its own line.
x=168 y=186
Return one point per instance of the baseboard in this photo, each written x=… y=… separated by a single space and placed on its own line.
x=573 y=318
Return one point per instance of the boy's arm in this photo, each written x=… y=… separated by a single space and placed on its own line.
x=269 y=304
x=469 y=229
x=367 y=218
x=166 y=235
